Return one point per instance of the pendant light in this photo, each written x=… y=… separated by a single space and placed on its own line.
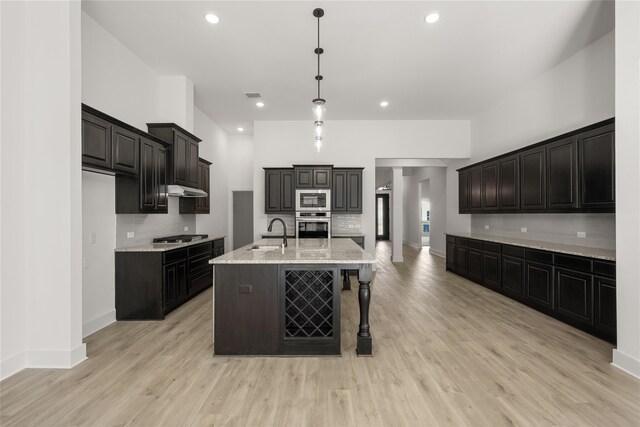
x=318 y=103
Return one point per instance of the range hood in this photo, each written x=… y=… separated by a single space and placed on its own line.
x=184 y=191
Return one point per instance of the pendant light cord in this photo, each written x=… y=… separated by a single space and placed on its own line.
x=318 y=57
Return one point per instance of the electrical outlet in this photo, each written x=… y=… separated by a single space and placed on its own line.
x=186 y=228
x=582 y=234
x=130 y=234
x=85 y=263
x=92 y=238
x=486 y=227
x=523 y=229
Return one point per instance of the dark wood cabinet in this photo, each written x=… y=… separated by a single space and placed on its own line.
x=539 y=284
x=346 y=190
x=146 y=193
x=475 y=189
x=562 y=174
x=574 y=296
x=96 y=141
x=279 y=190
x=451 y=253
x=513 y=276
x=491 y=269
x=463 y=192
x=533 y=180
x=475 y=264
x=462 y=256
x=605 y=306
x=125 y=150
x=312 y=176
x=490 y=175
x=151 y=284
x=509 y=184
x=597 y=168
x=183 y=154
x=199 y=205
x=574 y=172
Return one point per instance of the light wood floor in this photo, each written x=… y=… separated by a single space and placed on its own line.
x=446 y=352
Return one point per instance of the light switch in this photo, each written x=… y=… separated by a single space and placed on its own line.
x=582 y=234
x=523 y=229
x=186 y=228
x=130 y=234
x=486 y=227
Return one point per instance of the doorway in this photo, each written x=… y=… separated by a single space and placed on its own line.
x=382 y=217
x=242 y=218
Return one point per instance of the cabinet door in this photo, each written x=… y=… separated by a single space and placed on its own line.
x=304 y=178
x=475 y=186
x=96 y=141
x=287 y=191
x=475 y=265
x=192 y=165
x=532 y=180
x=125 y=150
x=147 y=176
x=354 y=191
x=322 y=178
x=162 y=157
x=462 y=260
x=205 y=184
x=597 y=168
x=272 y=190
x=180 y=154
x=539 y=284
x=513 y=276
x=463 y=192
x=490 y=186
x=605 y=307
x=574 y=296
x=339 y=191
x=562 y=174
x=175 y=285
x=491 y=268
x=451 y=253
x=509 y=184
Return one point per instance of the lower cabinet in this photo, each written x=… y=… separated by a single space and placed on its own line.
x=577 y=290
x=149 y=285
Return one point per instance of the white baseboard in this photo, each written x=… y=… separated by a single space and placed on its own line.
x=13 y=365
x=397 y=258
x=436 y=253
x=94 y=325
x=626 y=363
x=57 y=359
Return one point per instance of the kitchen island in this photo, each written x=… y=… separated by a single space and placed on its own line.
x=270 y=300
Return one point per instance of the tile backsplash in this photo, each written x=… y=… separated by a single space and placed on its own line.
x=600 y=228
x=289 y=220
x=346 y=223
x=146 y=227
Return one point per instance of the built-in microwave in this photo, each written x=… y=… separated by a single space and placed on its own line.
x=313 y=225
x=313 y=200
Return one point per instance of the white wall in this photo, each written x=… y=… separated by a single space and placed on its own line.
x=352 y=143
x=627 y=91
x=98 y=293
x=214 y=148
x=49 y=301
x=240 y=173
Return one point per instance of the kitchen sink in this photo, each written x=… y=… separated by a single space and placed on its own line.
x=264 y=248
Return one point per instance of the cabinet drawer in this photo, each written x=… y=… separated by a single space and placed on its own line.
x=540 y=256
x=574 y=296
x=491 y=247
x=200 y=281
x=204 y=248
x=451 y=239
x=604 y=268
x=461 y=241
x=514 y=251
x=475 y=244
x=574 y=262
x=198 y=263
x=173 y=256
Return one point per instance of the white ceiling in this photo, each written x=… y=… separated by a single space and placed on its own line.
x=475 y=54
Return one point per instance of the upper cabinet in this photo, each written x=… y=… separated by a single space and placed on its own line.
x=280 y=190
x=309 y=176
x=183 y=154
x=574 y=172
x=109 y=146
x=346 y=190
x=199 y=205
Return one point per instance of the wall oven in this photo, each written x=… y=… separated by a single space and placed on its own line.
x=313 y=225
x=313 y=200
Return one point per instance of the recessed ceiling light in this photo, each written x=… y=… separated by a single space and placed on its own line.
x=259 y=104
x=211 y=18
x=384 y=103
x=240 y=129
x=432 y=17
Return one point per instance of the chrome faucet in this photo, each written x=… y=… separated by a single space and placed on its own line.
x=284 y=228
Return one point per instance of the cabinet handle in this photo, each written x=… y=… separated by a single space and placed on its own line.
x=245 y=289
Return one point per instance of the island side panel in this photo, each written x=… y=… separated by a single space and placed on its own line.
x=246 y=309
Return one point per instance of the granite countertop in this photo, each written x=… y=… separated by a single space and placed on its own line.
x=347 y=234
x=300 y=251
x=585 y=251
x=276 y=235
x=162 y=247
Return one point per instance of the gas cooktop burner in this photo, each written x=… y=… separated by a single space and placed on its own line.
x=181 y=238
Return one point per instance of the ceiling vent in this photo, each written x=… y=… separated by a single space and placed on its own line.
x=253 y=95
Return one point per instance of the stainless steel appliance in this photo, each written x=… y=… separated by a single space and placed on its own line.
x=313 y=225
x=313 y=201
x=181 y=238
